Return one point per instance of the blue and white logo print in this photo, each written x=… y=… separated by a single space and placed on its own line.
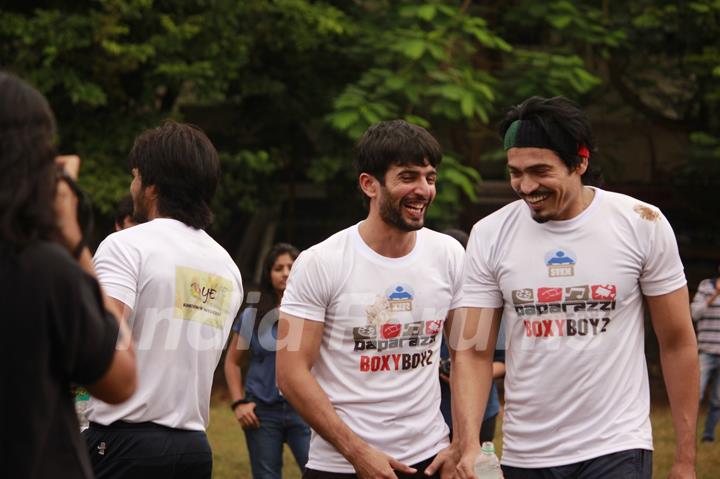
x=400 y=297
x=560 y=262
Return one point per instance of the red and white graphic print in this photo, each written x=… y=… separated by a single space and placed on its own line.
x=549 y=295
x=391 y=330
x=605 y=292
x=433 y=327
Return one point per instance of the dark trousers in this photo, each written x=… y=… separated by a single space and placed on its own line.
x=147 y=451
x=631 y=464
x=420 y=474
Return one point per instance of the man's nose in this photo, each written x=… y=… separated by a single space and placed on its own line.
x=528 y=185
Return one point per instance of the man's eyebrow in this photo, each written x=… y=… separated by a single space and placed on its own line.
x=539 y=167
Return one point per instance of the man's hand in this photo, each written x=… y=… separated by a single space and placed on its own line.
x=466 y=465
x=446 y=462
x=245 y=415
x=369 y=463
x=66 y=203
x=682 y=471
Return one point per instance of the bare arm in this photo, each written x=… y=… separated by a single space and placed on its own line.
x=236 y=351
x=301 y=389
x=473 y=334
x=120 y=380
x=678 y=356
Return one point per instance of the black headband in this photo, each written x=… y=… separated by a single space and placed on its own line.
x=535 y=133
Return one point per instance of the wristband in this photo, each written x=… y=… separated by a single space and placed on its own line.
x=238 y=402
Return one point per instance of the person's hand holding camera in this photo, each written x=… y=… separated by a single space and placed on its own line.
x=70 y=234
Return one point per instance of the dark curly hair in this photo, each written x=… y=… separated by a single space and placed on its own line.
x=27 y=153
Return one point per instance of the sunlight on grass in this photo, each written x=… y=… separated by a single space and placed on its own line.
x=231 y=461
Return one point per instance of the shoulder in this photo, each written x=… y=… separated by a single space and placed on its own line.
x=628 y=207
x=706 y=286
x=440 y=242
x=49 y=259
x=330 y=251
x=508 y=213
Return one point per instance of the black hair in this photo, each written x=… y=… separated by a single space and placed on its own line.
x=182 y=163
x=123 y=209
x=27 y=162
x=395 y=142
x=566 y=125
x=268 y=296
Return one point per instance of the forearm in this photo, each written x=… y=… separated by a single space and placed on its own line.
x=233 y=377
x=470 y=385
x=302 y=390
x=681 y=373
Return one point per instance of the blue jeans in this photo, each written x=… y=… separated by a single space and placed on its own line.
x=279 y=424
x=709 y=370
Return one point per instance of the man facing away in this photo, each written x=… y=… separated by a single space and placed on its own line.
x=180 y=291
x=568 y=266
x=705 y=309
x=364 y=310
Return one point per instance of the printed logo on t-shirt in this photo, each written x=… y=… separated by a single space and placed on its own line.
x=572 y=311
x=386 y=330
x=560 y=263
x=202 y=297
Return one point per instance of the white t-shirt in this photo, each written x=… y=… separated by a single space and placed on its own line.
x=184 y=290
x=378 y=361
x=572 y=291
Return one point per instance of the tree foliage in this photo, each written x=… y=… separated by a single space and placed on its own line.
x=285 y=87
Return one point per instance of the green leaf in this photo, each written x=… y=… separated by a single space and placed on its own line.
x=414 y=49
x=467 y=105
x=427 y=12
x=560 y=21
x=342 y=120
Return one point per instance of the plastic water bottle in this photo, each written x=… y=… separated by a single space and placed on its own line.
x=81 y=400
x=487 y=465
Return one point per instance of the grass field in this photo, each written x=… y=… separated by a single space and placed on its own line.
x=231 y=461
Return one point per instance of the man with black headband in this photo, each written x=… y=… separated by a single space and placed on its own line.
x=568 y=267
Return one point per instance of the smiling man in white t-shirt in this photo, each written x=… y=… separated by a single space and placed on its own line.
x=568 y=267
x=362 y=317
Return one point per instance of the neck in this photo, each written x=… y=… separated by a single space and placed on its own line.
x=386 y=240
x=585 y=198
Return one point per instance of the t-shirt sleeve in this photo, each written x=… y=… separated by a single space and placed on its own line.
x=307 y=294
x=663 y=270
x=117 y=265
x=457 y=258
x=86 y=332
x=245 y=323
x=480 y=288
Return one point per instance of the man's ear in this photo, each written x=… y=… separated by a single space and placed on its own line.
x=582 y=167
x=151 y=192
x=369 y=185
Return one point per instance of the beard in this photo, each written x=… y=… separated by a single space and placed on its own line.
x=140 y=210
x=391 y=213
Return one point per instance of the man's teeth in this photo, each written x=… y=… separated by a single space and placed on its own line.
x=416 y=207
x=532 y=199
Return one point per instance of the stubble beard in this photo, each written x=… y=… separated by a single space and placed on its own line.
x=392 y=215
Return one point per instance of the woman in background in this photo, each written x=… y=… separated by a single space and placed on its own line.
x=266 y=417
